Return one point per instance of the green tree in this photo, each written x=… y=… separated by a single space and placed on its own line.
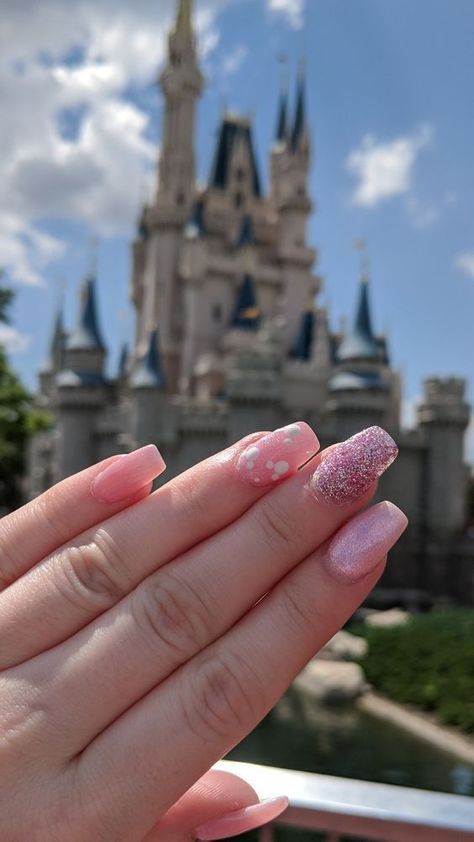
x=18 y=420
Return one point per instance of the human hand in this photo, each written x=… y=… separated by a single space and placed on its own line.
x=143 y=637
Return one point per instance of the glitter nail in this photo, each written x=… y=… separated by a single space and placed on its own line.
x=351 y=468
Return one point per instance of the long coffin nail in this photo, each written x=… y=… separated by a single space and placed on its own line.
x=240 y=821
x=359 y=546
x=128 y=474
x=278 y=454
x=351 y=467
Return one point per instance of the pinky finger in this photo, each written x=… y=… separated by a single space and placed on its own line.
x=218 y=806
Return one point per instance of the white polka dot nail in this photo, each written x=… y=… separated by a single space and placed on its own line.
x=277 y=455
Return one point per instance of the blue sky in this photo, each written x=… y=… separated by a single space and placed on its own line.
x=390 y=109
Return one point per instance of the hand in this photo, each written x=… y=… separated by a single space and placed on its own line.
x=142 y=636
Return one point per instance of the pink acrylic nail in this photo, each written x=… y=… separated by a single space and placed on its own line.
x=277 y=455
x=351 y=467
x=130 y=472
x=359 y=546
x=241 y=821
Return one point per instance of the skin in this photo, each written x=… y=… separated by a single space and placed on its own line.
x=136 y=648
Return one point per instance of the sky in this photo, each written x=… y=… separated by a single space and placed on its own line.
x=389 y=89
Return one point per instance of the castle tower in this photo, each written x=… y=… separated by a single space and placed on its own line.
x=155 y=286
x=81 y=389
x=181 y=83
x=443 y=416
x=363 y=388
x=151 y=416
x=290 y=169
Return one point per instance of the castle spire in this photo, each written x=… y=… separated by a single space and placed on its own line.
x=54 y=361
x=299 y=125
x=360 y=342
x=87 y=334
x=149 y=371
x=282 y=122
x=184 y=19
x=181 y=82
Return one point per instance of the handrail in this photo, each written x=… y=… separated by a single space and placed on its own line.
x=360 y=808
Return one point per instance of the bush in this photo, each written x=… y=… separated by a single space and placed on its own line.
x=428 y=663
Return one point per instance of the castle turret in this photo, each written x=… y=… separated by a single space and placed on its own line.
x=443 y=416
x=81 y=389
x=363 y=390
x=151 y=412
x=159 y=295
x=55 y=359
x=290 y=169
x=181 y=83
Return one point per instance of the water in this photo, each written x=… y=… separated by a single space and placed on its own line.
x=298 y=734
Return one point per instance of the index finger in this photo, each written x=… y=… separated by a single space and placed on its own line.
x=73 y=505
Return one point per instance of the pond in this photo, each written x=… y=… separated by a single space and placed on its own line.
x=299 y=734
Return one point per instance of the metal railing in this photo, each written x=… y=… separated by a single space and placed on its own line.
x=341 y=807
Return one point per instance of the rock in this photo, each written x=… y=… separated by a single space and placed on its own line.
x=344 y=647
x=388 y=619
x=332 y=682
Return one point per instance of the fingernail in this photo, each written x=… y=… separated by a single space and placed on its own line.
x=240 y=821
x=278 y=454
x=359 y=546
x=351 y=467
x=128 y=474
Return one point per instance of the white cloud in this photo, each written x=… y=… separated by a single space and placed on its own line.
x=234 y=60
x=292 y=10
x=64 y=63
x=385 y=168
x=12 y=340
x=465 y=262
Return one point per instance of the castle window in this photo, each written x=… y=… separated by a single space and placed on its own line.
x=240 y=174
x=238 y=200
x=180 y=199
x=217 y=312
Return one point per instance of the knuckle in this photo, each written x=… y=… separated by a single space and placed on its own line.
x=172 y=615
x=278 y=529
x=298 y=611
x=224 y=698
x=95 y=571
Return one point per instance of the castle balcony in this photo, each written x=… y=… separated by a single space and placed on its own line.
x=338 y=807
x=299 y=255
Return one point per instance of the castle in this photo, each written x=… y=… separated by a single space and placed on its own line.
x=229 y=340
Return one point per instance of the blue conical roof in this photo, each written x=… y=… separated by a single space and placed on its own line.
x=149 y=371
x=56 y=348
x=87 y=333
x=246 y=313
x=232 y=132
x=300 y=114
x=123 y=361
x=282 y=122
x=360 y=343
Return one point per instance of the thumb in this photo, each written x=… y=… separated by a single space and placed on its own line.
x=215 y=807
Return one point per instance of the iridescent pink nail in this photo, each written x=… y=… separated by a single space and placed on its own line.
x=351 y=467
x=240 y=821
x=128 y=474
x=360 y=546
x=277 y=455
